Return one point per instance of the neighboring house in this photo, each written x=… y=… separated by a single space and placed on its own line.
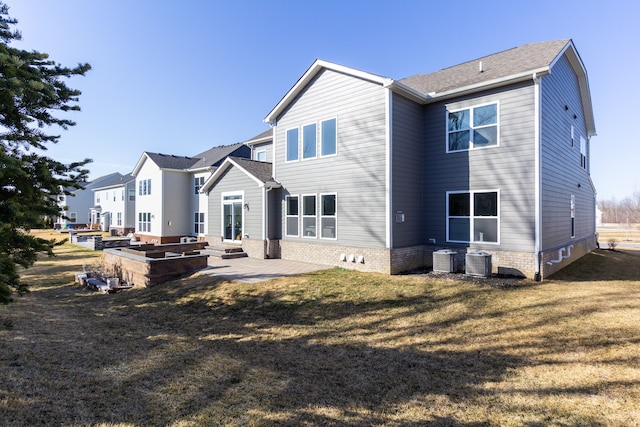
x=77 y=206
x=169 y=204
x=373 y=173
x=115 y=206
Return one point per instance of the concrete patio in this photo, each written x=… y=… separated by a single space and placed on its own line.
x=252 y=270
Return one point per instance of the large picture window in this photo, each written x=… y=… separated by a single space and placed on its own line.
x=309 y=144
x=292 y=145
x=329 y=137
x=328 y=216
x=309 y=216
x=473 y=217
x=291 y=214
x=472 y=128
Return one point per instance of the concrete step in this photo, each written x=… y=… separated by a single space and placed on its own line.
x=226 y=252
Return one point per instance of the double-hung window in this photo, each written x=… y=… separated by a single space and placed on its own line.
x=472 y=128
x=309 y=215
x=309 y=143
x=473 y=216
x=132 y=195
x=328 y=216
x=329 y=138
x=198 y=222
x=119 y=218
x=144 y=222
x=292 y=145
x=198 y=182
x=291 y=214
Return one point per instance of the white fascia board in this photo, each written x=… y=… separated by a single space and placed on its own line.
x=259 y=141
x=407 y=92
x=138 y=166
x=583 y=84
x=108 y=187
x=198 y=170
x=315 y=68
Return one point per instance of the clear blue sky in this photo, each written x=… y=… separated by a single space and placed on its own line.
x=182 y=77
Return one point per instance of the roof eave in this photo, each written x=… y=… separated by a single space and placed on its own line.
x=228 y=162
x=490 y=84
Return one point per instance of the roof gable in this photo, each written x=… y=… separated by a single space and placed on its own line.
x=260 y=172
x=214 y=156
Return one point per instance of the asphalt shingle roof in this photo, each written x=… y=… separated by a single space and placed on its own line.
x=261 y=170
x=169 y=161
x=510 y=62
x=215 y=155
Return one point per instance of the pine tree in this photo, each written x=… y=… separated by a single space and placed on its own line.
x=32 y=90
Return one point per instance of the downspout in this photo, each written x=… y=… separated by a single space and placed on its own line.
x=265 y=217
x=388 y=167
x=538 y=176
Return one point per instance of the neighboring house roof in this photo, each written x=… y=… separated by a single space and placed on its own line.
x=215 y=155
x=117 y=183
x=94 y=183
x=260 y=172
x=205 y=160
x=507 y=67
x=266 y=136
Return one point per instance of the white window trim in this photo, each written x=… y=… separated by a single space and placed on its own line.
x=287 y=216
x=257 y=155
x=222 y=203
x=286 y=145
x=320 y=138
x=73 y=217
x=573 y=216
x=315 y=156
x=335 y=216
x=471 y=217
x=146 y=220
x=471 y=128
x=573 y=135
x=583 y=152
x=201 y=225
x=303 y=216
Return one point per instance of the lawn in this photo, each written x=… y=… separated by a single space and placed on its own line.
x=329 y=348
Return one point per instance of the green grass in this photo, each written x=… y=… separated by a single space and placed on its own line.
x=334 y=347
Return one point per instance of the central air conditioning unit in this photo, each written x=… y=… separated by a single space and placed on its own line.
x=445 y=261
x=478 y=264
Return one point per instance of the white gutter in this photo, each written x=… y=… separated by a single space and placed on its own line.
x=537 y=89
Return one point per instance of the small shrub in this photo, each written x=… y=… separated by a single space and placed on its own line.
x=613 y=243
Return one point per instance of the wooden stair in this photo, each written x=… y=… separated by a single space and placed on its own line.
x=226 y=251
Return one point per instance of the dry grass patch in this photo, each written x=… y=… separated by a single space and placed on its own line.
x=330 y=348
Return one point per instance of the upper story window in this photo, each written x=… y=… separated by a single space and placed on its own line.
x=473 y=216
x=583 y=152
x=327 y=140
x=132 y=195
x=97 y=197
x=292 y=145
x=198 y=182
x=329 y=137
x=122 y=195
x=309 y=142
x=573 y=135
x=472 y=128
x=261 y=156
x=144 y=187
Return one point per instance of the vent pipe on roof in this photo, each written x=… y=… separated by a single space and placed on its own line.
x=480 y=67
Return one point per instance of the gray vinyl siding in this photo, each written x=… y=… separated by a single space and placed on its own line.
x=508 y=168
x=357 y=172
x=562 y=175
x=268 y=147
x=408 y=165
x=233 y=180
x=176 y=199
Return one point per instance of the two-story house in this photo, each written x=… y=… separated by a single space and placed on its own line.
x=115 y=206
x=374 y=173
x=75 y=208
x=169 y=204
